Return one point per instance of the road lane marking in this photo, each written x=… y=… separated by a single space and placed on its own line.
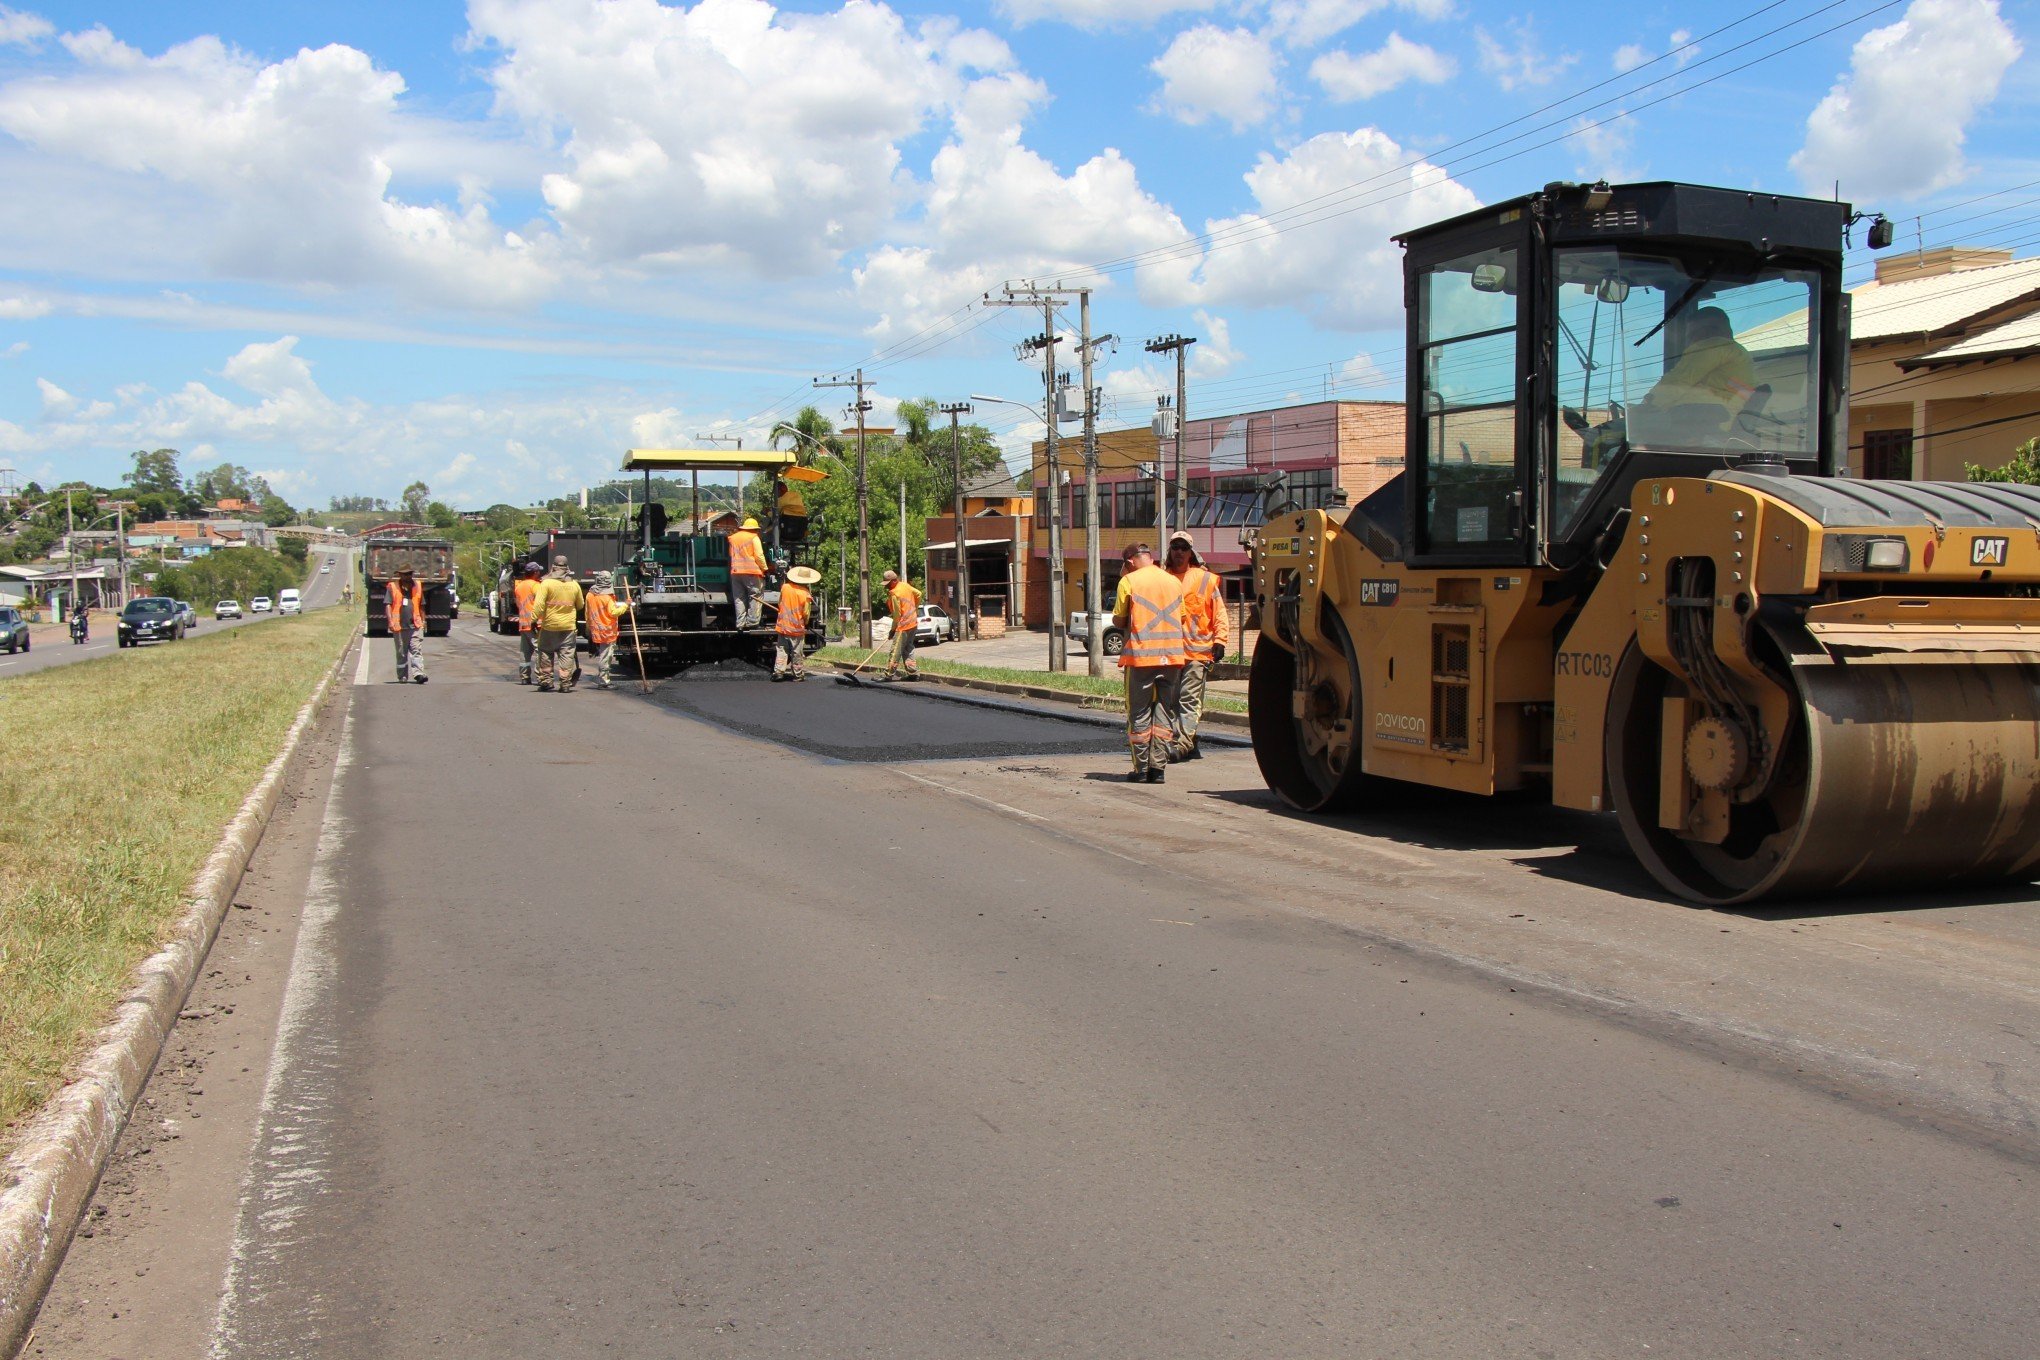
x=1021 y=813
x=291 y=1156
x=361 y=664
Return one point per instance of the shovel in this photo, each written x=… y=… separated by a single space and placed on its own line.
x=849 y=677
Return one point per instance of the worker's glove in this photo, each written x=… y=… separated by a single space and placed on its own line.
x=1217 y=652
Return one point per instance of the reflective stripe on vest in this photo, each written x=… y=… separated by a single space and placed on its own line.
x=793 y=610
x=393 y=607
x=602 y=625
x=906 y=603
x=1154 y=623
x=1203 y=613
x=524 y=588
x=747 y=554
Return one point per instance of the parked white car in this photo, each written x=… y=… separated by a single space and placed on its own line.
x=1080 y=633
x=259 y=605
x=935 y=626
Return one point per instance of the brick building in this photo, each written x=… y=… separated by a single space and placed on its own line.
x=1228 y=464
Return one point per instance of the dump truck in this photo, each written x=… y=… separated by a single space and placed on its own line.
x=431 y=559
x=1622 y=565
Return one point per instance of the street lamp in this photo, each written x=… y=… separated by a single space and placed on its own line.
x=1058 y=655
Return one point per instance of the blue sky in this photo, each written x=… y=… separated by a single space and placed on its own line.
x=493 y=245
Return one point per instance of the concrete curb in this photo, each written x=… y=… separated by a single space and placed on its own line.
x=49 y=1178
x=1092 y=702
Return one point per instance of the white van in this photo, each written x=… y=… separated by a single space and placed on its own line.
x=287 y=602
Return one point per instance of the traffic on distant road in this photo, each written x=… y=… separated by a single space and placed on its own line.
x=154 y=620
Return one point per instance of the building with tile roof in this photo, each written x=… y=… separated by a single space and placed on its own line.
x=1944 y=363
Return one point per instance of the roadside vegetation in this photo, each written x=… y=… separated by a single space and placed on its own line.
x=232 y=574
x=121 y=775
x=1103 y=688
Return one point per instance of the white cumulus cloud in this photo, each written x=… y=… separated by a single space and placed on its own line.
x=1306 y=23
x=23 y=309
x=1347 y=77
x=1521 y=62
x=1893 y=127
x=1344 y=272
x=1097 y=14
x=1217 y=73
x=19 y=29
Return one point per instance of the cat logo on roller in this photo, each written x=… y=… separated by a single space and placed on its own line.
x=1614 y=581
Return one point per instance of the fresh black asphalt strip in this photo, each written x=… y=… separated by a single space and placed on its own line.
x=876 y=724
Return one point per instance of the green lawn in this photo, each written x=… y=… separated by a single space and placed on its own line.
x=120 y=775
x=1102 y=688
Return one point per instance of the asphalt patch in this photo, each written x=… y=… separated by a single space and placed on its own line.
x=875 y=725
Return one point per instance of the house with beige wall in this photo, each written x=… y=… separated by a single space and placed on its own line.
x=1944 y=363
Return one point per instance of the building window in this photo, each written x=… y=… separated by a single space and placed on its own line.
x=1134 y=503
x=1041 y=507
x=1888 y=455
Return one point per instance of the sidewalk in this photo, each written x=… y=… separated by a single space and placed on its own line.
x=1029 y=651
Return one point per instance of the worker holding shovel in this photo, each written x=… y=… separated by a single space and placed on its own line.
x=604 y=612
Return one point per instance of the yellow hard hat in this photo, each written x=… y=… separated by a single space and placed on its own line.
x=750 y=523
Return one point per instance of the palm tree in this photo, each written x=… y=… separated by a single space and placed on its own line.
x=808 y=430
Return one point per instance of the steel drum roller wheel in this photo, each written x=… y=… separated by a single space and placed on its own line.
x=1893 y=775
x=1304 y=759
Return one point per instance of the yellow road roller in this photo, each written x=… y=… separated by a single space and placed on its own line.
x=1621 y=563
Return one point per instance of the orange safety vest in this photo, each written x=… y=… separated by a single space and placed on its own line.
x=1154 y=620
x=393 y=609
x=793 y=610
x=1204 y=621
x=747 y=554
x=523 y=589
x=603 y=627
x=906 y=604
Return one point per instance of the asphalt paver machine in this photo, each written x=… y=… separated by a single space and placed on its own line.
x=1621 y=564
x=678 y=576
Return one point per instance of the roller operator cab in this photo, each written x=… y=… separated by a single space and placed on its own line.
x=1620 y=564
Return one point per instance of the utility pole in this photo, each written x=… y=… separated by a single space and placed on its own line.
x=1094 y=586
x=954 y=409
x=1178 y=343
x=1044 y=343
x=863 y=513
x=903 y=528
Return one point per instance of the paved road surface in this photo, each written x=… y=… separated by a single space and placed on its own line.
x=617 y=1027
x=57 y=649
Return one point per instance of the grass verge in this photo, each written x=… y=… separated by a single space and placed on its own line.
x=1101 y=687
x=136 y=763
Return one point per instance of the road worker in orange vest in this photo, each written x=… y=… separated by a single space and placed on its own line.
x=1204 y=629
x=1149 y=614
x=405 y=611
x=522 y=590
x=795 y=601
x=604 y=610
x=747 y=574
x=904 y=603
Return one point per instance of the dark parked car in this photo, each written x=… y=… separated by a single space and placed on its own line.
x=152 y=618
x=13 y=630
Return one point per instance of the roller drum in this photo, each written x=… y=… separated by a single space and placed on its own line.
x=1896 y=773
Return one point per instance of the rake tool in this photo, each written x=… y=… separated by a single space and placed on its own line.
x=637 y=645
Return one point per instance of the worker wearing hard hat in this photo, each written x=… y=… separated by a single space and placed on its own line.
x=1204 y=629
x=525 y=587
x=1149 y=615
x=795 y=602
x=904 y=603
x=554 y=607
x=747 y=573
x=604 y=610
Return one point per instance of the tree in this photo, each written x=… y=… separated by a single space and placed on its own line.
x=502 y=518
x=156 y=474
x=416 y=497
x=2023 y=468
x=805 y=431
x=440 y=515
x=292 y=547
x=227 y=482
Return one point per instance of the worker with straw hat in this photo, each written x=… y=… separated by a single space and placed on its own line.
x=795 y=600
